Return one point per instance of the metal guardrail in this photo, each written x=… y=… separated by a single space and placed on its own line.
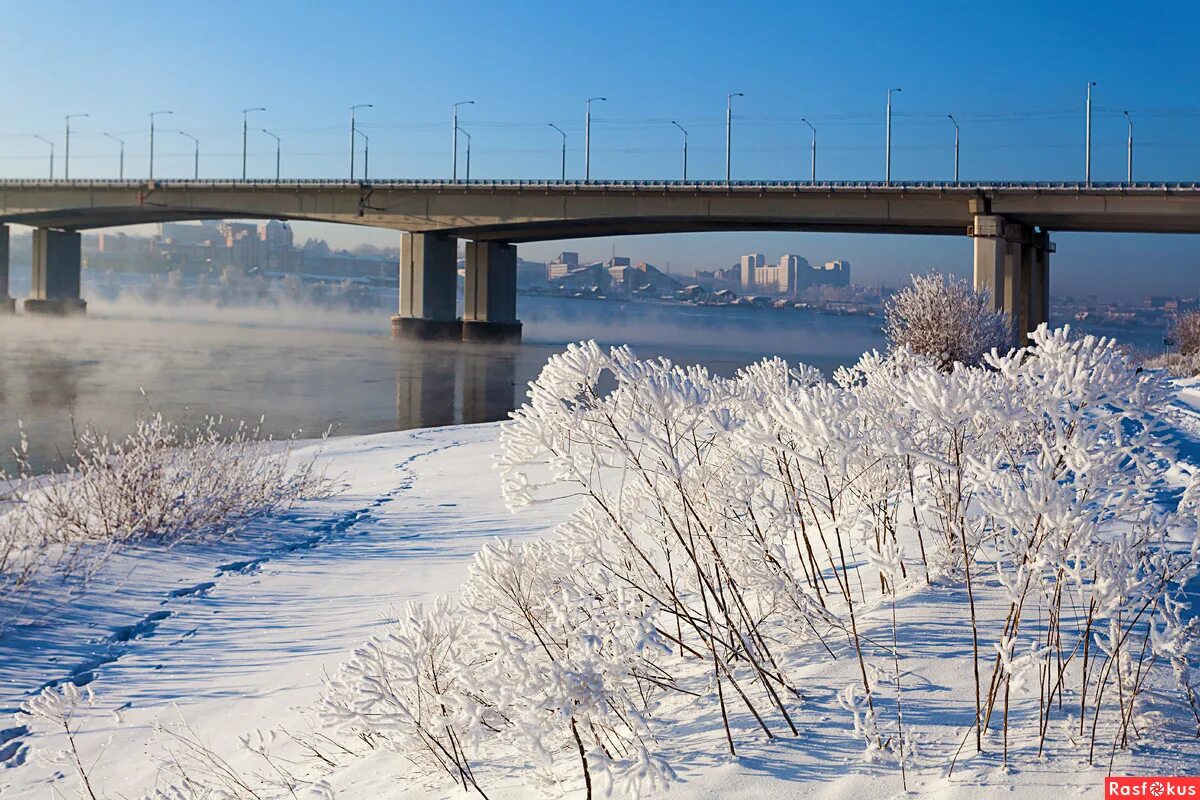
x=431 y=183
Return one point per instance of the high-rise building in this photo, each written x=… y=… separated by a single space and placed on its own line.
x=277 y=235
x=837 y=273
x=750 y=263
x=243 y=244
x=793 y=274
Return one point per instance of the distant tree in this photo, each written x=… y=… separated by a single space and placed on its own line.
x=318 y=246
x=943 y=317
x=232 y=275
x=293 y=289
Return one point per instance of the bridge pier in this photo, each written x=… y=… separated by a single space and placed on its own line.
x=428 y=288
x=7 y=304
x=490 y=296
x=1012 y=263
x=57 y=266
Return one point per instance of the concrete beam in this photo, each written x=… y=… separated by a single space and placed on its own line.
x=7 y=304
x=490 y=296
x=428 y=288
x=57 y=266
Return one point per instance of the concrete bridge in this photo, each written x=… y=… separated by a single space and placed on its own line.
x=1010 y=224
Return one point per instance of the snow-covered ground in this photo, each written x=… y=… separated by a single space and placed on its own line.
x=235 y=637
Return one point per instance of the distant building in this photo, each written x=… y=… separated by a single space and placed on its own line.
x=564 y=263
x=694 y=292
x=593 y=277
x=182 y=233
x=750 y=263
x=837 y=273
x=278 y=246
x=641 y=278
x=792 y=271
x=276 y=235
x=241 y=239
x=531 y=273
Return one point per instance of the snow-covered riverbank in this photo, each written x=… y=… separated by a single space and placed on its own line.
x=237 y=637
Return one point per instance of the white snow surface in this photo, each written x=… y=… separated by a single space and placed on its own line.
x=237 y=636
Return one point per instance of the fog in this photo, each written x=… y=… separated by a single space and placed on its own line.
x=311 y=367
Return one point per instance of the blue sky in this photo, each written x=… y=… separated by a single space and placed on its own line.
x=1013 y=75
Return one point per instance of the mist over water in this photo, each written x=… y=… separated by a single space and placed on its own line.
x=308 y=369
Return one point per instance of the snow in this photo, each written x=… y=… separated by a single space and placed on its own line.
x=239 y=636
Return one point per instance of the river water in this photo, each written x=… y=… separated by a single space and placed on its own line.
x=307 y=370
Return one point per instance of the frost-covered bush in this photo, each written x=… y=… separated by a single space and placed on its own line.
x=728 y=529
x=1185 y=330
x=1175 y=365
x=162 y=483
x=944 y=318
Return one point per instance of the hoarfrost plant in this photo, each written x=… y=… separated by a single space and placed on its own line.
x=61 y=710
x=727 y=527
x=162 y=483
x=1185 y=330
x=942 y=317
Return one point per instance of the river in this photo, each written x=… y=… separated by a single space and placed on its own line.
x=306 y=370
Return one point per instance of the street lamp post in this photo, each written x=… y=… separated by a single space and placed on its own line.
x=729 y=130
x=47 y=141
x=887 y=168
x=685 y=143
x=587 y=137
x=195 y=155
x=563 y=176
x=278 y=147
x=67 y=149
x=353 y=130
x=454 y=142
x=1129 y=151
x=813 y=179
x=120 y=157
x=245 y=112
x=1087 y=139
x=464 y=133
x=955 y=146
x=366 y=156
x=154 y=114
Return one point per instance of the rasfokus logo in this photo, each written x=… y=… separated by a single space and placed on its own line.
x=1153 y=787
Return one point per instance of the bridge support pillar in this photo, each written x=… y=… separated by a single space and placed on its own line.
x=1016 y=281
x=7 y=304
x=428 y=288
x=1039 y=280
x=57 y=267
x=490 y=296
x=1012 y=264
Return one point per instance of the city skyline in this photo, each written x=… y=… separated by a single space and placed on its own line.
x=1019 y=125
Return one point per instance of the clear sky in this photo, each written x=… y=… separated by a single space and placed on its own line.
x=1013 y=74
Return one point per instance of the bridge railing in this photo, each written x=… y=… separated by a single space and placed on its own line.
x=602 y=185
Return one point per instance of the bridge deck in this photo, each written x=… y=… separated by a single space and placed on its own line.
x=524 y=210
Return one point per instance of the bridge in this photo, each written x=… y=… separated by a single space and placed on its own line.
x=1010 y=224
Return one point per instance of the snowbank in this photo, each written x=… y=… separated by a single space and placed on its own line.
x=237 y=637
